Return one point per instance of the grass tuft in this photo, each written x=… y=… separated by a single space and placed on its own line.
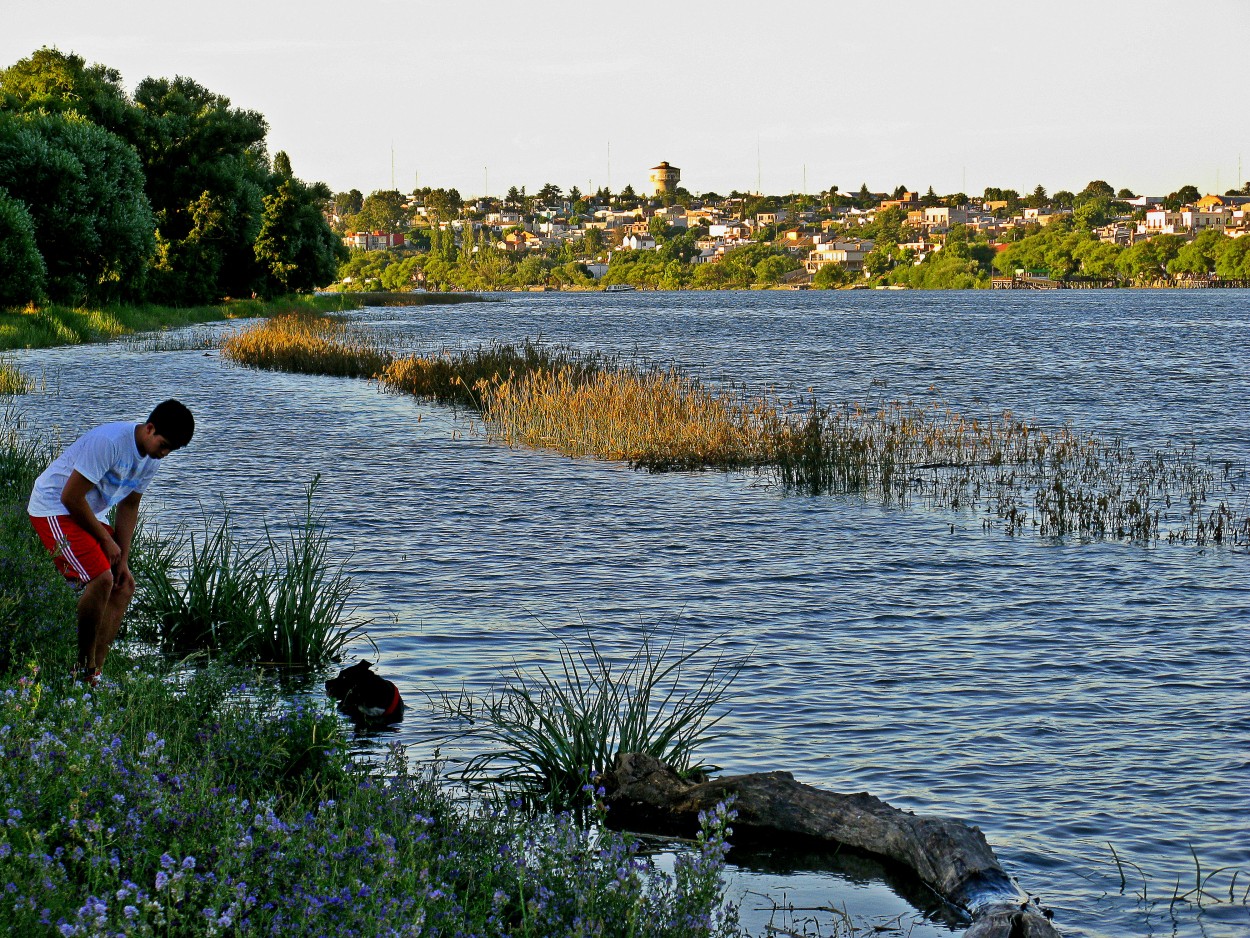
x=306 y=344
x=551 y=731
x=276 y=601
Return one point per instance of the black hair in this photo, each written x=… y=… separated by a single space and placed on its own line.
x=174 y=422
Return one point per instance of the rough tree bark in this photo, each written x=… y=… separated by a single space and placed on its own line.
x=643 y=794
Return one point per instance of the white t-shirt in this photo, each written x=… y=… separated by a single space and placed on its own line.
x=108 y=457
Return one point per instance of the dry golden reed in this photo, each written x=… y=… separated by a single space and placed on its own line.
x=655 y=419
x=307 y=344
x=1014 y=473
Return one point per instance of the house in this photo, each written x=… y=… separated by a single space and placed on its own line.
x=520 y=240
x=942 y=216
x=638 y=242
x=373 y=240
x=848 y=254
x=771 y=218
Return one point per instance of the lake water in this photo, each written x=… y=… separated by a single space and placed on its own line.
x=1062 y=696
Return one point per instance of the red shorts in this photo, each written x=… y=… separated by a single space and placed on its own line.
x=77 y=554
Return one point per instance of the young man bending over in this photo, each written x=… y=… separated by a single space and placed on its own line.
x=109 y=466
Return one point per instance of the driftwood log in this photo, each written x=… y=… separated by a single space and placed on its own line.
x=643 y=794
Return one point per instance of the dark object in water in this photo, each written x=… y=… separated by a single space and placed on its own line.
x=644 y=794
x=366 y=697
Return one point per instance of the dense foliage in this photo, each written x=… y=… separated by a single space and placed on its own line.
x=167 y=196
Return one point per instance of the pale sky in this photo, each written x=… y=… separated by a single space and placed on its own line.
x=484 y=94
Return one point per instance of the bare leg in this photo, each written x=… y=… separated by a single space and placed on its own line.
x=111 y=621
x=92 y=604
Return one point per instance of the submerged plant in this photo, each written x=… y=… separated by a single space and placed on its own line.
x=550 y=730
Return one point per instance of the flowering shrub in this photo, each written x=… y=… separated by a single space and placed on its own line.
x=201 y=806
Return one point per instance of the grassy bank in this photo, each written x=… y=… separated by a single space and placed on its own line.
x=176 y=802
x=63 y=325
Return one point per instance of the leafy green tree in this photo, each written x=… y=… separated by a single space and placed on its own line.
x=831 y=276
x=1063 y=199
x=63 y=83
x=1232 y=261
x=1097 y=189
x=1093 y=213
x=295 y=247
x=348 y=203
x=771 y=269
x=1198 y=257
x=207 y=175
x=22 y=271
x=83 y=189
x=382 y=210
x=592 y=242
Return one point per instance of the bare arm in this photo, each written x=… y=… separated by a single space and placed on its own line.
x=74 y=498
x=124 y=524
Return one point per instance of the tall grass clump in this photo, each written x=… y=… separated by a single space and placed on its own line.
x=278 y=600
x=551 y=730
x=36 y=606
x=200 y=804
x=659 y=420
x=307 y=344
x=12 y=380
x=459 y=377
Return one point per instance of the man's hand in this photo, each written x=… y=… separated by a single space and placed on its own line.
x=113 y=553
x=122 y=577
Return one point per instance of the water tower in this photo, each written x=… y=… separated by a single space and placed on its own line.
x=665 y=178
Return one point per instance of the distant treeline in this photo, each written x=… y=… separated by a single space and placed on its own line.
x=166 y=196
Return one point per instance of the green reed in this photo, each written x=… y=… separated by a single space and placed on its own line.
x=551 y=730
x=12 y=379
x=267 y=599
x=460 y=376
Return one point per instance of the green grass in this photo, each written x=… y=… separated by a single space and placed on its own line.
x=275 y=600
x=41 y=327
x=551 y=731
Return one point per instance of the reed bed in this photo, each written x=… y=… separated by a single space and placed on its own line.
x=659 y=420
x=12 y=379
x=1017 y=474
x=459 y=377
x=1056 y=482
x=307 y=344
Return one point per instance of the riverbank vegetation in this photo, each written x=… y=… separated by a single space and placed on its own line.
x=1014 y=473
x=46 y=326
x=203 y=801
x=167 y=195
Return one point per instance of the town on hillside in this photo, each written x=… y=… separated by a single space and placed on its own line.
x=674 y=239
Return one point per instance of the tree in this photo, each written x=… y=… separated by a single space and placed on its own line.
x=22 y=271
x=348 y=203
x=1097 y=189
x=831 y=276
x=549 y=193
x=382 y=210
x=82 y=187
x=207 y=174
x=57 y=82
x=295 y=247
x=1038 y=198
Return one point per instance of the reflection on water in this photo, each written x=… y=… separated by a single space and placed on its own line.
x=1061 y=696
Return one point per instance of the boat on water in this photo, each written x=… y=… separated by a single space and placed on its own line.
x=618 y=288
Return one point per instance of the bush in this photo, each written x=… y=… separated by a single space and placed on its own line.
x=23 y=275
